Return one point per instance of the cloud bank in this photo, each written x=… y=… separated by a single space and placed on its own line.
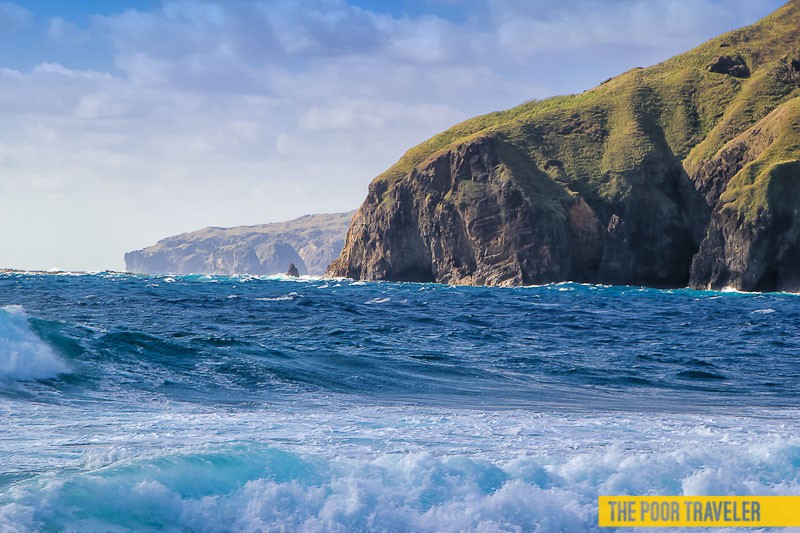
x=190 y=113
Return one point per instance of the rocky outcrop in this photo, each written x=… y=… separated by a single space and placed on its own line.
x=482 y=233
x=484 y=214
x=753 y=239
x=732 y=66
x=681 y=173
x=310 y=243
x=788 y=71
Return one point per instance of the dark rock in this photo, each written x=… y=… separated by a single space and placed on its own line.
x=756 y=251
x=292 y=271
x=788 y=71
x=731 y=65
x=484 y=214
x=714 y=173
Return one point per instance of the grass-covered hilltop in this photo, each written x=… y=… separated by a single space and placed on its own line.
x=686 y=172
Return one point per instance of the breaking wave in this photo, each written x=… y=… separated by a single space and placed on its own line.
x=23 y=355
x=243 y=487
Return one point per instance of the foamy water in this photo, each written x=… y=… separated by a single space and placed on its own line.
x=137 y=404
x=23 y=355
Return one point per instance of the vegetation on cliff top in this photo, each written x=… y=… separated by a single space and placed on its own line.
x=688 y=107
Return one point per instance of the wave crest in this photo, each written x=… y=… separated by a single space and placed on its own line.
x=23 y=355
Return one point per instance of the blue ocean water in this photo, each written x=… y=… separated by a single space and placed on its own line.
x=197 y=403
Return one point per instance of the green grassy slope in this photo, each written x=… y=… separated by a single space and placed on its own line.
x=590 y=141
x=764 y=183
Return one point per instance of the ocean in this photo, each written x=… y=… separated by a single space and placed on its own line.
x=216 y=404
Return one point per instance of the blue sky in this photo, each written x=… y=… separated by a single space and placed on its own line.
x=125 y=122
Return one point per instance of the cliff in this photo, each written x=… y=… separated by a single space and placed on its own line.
x=686 y=172
x=310 y=242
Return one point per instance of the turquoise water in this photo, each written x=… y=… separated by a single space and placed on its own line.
x=195 y=403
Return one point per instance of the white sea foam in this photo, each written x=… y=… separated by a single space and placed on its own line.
x=284 y=277
x=284 y=298
x=252 y=487
x=23 y=355
x=381 y=469
x=734 y=290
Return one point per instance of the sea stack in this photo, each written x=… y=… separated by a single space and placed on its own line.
x=293 y=272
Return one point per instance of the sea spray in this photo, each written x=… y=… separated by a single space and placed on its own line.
x=23 y=355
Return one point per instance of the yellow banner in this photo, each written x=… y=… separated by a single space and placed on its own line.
x=699 y=511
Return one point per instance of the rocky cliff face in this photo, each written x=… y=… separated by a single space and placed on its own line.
x=751 y=241
x=310 y=242
x=482 y=214
x=687 y=172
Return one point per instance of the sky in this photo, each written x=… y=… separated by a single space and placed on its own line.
x=125 y=122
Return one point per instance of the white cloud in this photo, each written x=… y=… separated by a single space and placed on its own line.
x=62 y=31
x=13 y=16
x=324 y=29
x=367 y=116
x=526 y=28
x=281 y=143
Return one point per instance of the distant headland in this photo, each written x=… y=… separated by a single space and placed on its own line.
x=310 y=243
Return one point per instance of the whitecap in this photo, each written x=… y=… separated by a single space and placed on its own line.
x=23 y=355
x=284 y=277
x=284 y=298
